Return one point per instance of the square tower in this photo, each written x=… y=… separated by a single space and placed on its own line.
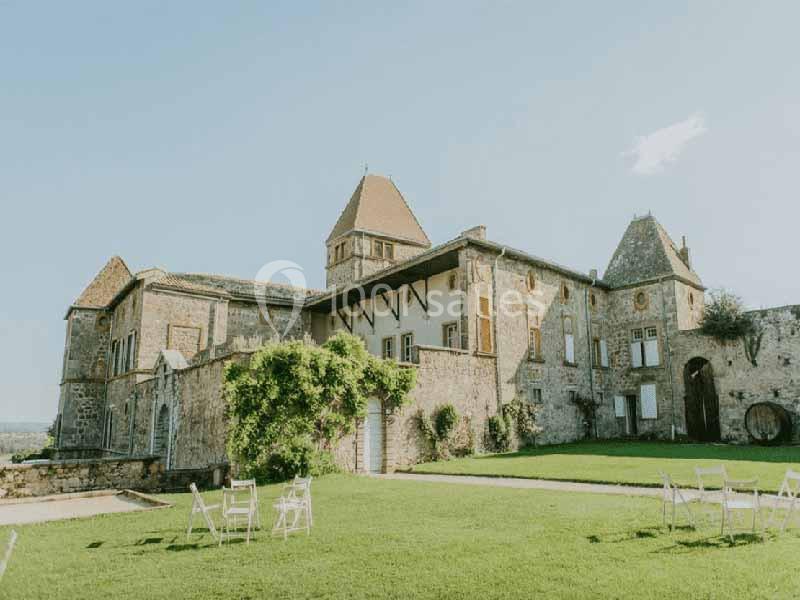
x=375 y=230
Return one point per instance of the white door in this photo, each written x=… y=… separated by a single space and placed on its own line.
x=373 y=437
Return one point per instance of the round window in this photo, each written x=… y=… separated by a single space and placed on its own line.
x=640 y=300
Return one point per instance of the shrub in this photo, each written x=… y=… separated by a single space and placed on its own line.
x=724 y=318
x=439 y=430
x=445 y=421
x=295 y=401
x=499 y=434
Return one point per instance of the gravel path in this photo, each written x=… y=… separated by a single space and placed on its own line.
x=69 y=508
x=532 y=484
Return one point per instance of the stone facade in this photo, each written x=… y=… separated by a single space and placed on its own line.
x=484 y=325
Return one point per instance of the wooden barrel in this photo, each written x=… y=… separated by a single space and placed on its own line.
x=768 y=423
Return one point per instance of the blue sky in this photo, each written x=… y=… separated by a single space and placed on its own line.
x=215 y=137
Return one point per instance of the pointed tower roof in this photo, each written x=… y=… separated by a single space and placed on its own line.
x=106 y=284
x=646 y=252
x=377 y=206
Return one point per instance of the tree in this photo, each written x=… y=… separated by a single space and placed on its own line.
x=294 y=401
x=724 y=317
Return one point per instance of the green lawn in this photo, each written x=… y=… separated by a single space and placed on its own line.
x=634 y=463
x=401 y=539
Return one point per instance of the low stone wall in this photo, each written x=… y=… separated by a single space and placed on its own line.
x=65 y=476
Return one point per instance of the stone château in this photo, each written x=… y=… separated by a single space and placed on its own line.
x=145 y=351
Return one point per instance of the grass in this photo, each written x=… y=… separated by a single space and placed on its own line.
x=401 y=539
x=634 y=463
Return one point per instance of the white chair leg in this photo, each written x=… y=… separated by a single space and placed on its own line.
x=191 y=521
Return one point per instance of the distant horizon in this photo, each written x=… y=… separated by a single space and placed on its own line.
x=216 y=138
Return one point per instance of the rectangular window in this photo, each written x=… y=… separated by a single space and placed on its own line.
x=644 y=348
x=388 y=347
x=637 y=351
x=647 y=397
x=571 y=396
x=450 y=335
x=569 y=342
x=129 y=353
x=485 y=325
x=406 y=341
x=535 y=395
x=599 y=353
x=388 y=250
x=377 y=248
x=534 y=343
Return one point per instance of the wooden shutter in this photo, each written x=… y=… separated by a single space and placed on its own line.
x=651 y=355
x=603 y=353
x=569 y=345
x=619 y=407
x=485 y=324
x=636 y=354
x=648 y=401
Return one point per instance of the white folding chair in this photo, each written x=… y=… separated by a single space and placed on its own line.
x=703 y=475
x=9 y=549
x=293 y=508
x=673 y=496
x=250 y=485
x=235 y=512
x=199 y=506
x=785 y=499
x=306 y=481
x=740 y=496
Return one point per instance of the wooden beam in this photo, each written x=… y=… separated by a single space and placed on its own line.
x=346 y=324
x=363 y=312
x=424 y=305
x=396 y=313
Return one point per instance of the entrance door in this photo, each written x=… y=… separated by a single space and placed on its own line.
x=702 y=402
x=373 y=437
x=631 y=421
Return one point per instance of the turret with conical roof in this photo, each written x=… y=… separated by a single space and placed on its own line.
x=375 y=230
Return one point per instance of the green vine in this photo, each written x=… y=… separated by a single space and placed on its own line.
x=293 y=403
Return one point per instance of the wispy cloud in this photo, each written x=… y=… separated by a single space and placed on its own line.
x=654 y=151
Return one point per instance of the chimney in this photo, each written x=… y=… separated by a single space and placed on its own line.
x=476 y=233
x=593 y=274
x=684 y=254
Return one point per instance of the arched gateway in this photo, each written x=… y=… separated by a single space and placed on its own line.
x=702 y=402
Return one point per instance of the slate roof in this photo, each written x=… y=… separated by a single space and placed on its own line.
x=645 y=253
x=175 y=282
x=377 y=206
x=107 y=283
x=244 y=288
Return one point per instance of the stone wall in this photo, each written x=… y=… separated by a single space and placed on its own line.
x=739 y=383
x=142 y=474
x=82 y=394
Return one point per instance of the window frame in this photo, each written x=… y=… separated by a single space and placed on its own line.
x=391 y=351
x=405 y=352
x=485 y=331
x=446 y=328
x=535 y=344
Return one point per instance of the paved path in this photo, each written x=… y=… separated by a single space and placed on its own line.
x=69 y=508
x=532 y=484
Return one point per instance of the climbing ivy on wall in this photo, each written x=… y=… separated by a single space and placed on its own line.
x=294 y=401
